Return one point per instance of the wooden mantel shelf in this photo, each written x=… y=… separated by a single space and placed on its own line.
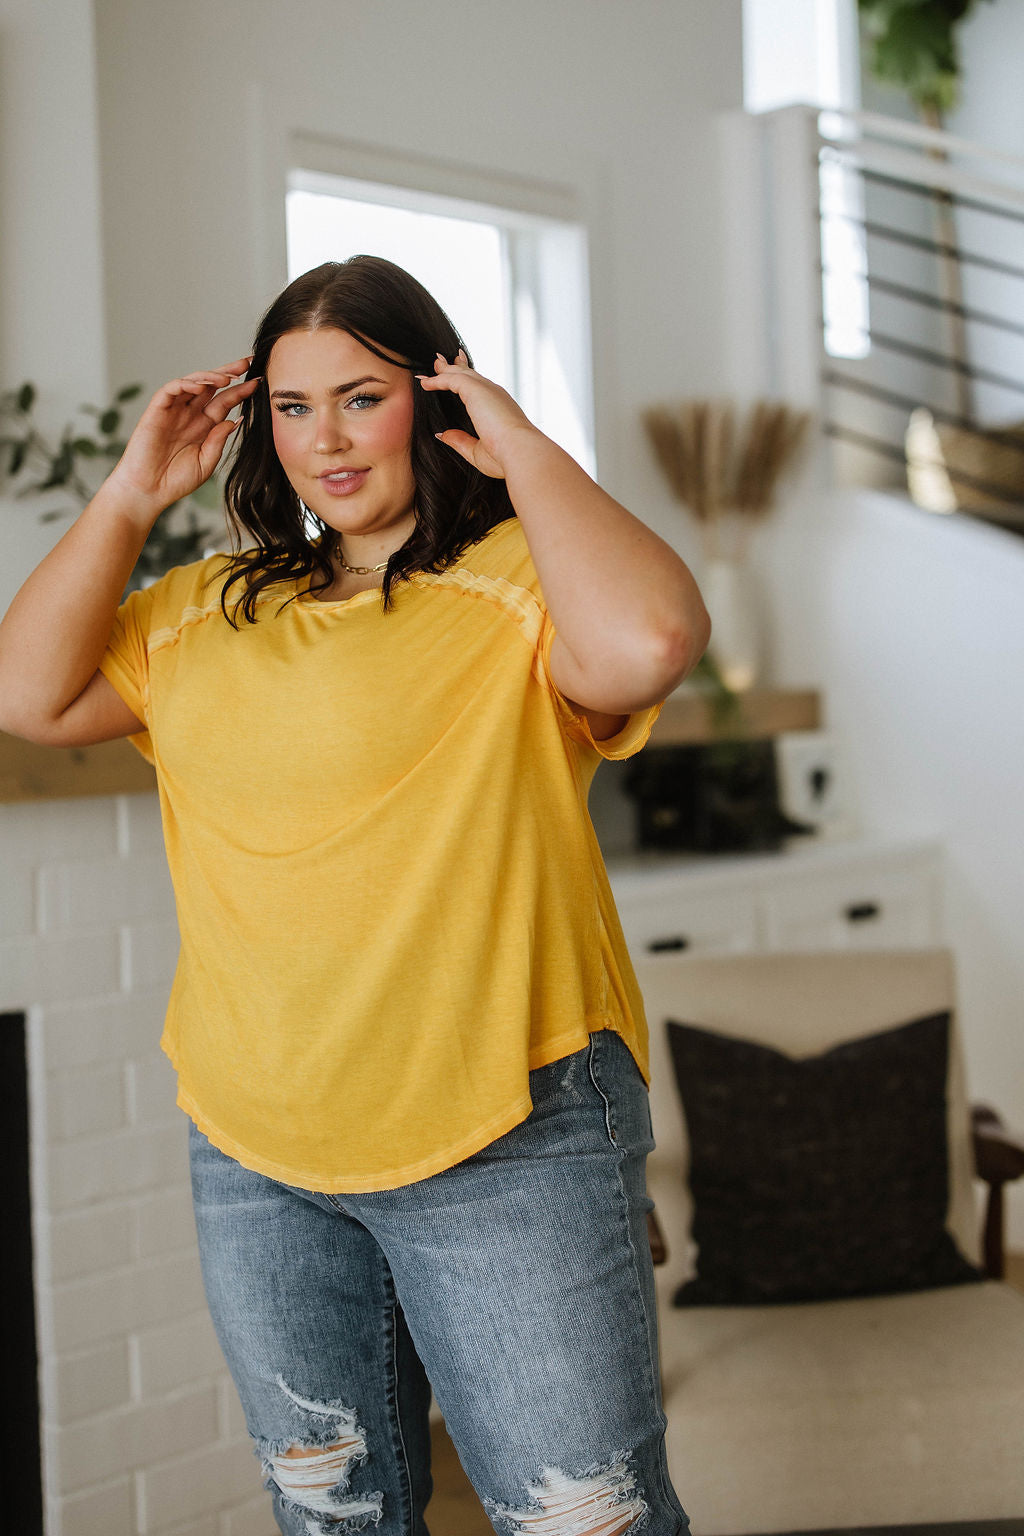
x=686 y=717
x=28 y=772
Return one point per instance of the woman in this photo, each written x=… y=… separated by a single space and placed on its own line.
x=405 y=1025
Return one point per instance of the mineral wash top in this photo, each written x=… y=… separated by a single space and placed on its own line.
x=391 y=900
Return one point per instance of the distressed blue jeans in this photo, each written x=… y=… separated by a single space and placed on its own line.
x=517 y=1285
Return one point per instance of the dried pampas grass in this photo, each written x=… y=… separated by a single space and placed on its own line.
x=726 y=470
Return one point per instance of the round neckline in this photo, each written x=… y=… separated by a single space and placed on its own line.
x=309 y=600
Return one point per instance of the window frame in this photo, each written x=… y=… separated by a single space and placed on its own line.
x=546 y=255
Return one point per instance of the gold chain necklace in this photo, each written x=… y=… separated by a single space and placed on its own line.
x=362 y=570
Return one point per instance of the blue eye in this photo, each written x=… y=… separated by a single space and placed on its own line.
x=296 y=408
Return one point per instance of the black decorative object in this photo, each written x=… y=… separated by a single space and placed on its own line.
x=718 y=797
x=22 y=1489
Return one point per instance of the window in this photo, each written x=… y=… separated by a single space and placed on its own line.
x=513 y=281
x=807 y=52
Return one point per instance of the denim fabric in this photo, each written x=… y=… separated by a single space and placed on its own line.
x=517 y=1284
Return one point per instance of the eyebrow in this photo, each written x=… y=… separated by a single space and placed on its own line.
x=339 y=389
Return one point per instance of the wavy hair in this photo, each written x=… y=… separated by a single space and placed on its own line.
x=391 y=314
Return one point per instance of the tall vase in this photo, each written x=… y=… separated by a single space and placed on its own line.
x=733 y=600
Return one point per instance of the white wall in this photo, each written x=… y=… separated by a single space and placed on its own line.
x=51 y=298
x=615 y=102
x=52 y=326
x=992 y=105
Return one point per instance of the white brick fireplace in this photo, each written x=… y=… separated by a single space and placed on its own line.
x=142 y=1434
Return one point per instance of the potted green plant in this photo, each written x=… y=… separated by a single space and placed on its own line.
x=66 y=472
x=914 y=44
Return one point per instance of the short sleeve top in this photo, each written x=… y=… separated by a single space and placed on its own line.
x=391 y=900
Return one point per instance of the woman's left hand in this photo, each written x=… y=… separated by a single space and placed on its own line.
x=496 y=418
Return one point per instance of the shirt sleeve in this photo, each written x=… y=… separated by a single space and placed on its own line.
x=125 y=662
x=624 y=743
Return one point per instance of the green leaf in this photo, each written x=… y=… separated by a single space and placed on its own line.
x=914 y=45
x=26 y=397
x=114 y=450
x=110 y=421
x=129 y=392
x=18 y=451
x=60 y=469
x=85 y=446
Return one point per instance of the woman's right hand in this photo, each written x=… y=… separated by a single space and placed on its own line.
x=179 y=438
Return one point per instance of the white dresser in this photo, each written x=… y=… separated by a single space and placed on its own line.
x=870 y=892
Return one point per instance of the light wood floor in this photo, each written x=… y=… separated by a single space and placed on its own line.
x=455 y=1510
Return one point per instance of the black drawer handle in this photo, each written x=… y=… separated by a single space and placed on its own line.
x=861 y=911
x=661 y=946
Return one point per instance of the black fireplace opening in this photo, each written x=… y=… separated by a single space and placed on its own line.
x=21 y=1491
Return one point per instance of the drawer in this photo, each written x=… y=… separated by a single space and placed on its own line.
x=715 y=921
x=870 y=908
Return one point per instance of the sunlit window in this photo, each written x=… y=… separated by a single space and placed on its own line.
x=844 y=258
x=514 y=284
x=806 y=53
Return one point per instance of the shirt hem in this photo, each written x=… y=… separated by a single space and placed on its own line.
x=411 y=1173
x=336 y=1185
x=565 y=1045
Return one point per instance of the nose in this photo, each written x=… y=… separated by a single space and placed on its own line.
x=331 y=434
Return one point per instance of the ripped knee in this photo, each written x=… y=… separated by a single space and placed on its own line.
x=601 y=1502
x=313 y=1475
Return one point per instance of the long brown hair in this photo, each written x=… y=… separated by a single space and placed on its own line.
x=387 y=311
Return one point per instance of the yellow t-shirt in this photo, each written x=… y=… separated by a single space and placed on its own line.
x=391 y=900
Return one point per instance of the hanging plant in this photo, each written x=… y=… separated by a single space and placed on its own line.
x=914 y=45
x=951 y=464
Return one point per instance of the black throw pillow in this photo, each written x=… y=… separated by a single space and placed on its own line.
x=824 y=1176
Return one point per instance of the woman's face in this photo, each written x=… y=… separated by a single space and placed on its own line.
x=342 y=430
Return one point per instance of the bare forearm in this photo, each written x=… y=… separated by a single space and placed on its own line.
x=622 y=601
x=56 y=629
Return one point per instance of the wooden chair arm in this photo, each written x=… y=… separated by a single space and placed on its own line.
x=998 y=1151
x=998 y=1160
x=659 y=1252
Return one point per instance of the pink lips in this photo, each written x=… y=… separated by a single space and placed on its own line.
x=344 y=483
